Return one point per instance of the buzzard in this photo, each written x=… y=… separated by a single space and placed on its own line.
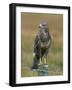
x=42 y=44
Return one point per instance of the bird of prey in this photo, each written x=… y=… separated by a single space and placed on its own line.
x=42 y=44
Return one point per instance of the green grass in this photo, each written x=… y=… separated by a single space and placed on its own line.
x=55 y=58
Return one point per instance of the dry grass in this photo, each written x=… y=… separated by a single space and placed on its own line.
x=29 y=29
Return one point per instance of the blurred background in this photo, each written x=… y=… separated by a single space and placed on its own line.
x=29 y=28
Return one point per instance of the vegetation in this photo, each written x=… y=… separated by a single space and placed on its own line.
x=29 y=28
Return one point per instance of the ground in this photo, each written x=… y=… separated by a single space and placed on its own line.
x=29 y=28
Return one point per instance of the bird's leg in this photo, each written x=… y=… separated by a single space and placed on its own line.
x=41 y=60
x=45 y=59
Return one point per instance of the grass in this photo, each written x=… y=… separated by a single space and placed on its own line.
x=55 y=56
